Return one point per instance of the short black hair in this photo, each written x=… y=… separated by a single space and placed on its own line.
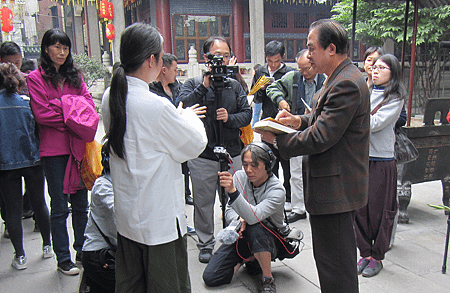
x=9 y=48
x=168 y=58
x=274 y=47
x=210 y=41
x=27 y=65
x=260 y=152
x=331 y=32
x=373 y=50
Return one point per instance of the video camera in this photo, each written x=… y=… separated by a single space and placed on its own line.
x=220 y=72
x=223 y=156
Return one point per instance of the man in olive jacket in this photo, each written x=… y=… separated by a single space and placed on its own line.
x=334 y=140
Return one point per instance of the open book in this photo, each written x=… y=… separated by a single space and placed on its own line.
x=271 y=125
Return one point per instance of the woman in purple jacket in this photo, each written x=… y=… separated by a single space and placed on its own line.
x=55 y=77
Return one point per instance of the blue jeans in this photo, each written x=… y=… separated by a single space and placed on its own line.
x=256 y=113
x=55 y=168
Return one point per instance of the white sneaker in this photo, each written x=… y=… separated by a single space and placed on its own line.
x=287 y=206
x=20 y=262
x=47 y=251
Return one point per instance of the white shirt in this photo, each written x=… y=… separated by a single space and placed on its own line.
x=148 y=184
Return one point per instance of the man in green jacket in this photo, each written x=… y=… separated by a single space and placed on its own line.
x=294 y=92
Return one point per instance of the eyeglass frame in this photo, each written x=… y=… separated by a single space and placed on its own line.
x=380 y=67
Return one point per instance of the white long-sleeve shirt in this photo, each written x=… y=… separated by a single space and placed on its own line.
x=148 y=184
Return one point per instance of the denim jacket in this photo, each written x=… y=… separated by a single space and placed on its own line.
x=19 y=143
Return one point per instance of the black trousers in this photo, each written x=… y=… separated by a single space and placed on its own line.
x=220 y=269
x=11 y=186
x=334 y=247
x=98 y=278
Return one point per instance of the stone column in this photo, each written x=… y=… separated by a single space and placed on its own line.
x=256 y=9
x=93 y=32
x=238 y=30
x=78 y=31
x=119 y=26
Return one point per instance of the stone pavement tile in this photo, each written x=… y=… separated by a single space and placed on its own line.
x=394 y=278
x=289 y=280
x=416 y=259
x=439 y=279
x=41 y=275
x=305 y=267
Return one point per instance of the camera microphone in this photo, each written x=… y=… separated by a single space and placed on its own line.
x=229 y=234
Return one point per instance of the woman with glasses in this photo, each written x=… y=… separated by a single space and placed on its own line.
x=374 y=222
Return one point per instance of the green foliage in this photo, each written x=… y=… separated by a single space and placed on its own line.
x=376 y=22
x=92 y=70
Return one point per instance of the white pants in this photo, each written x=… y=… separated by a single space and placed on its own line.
x=297 y=197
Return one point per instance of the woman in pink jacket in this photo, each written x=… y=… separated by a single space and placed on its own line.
x=56 y=77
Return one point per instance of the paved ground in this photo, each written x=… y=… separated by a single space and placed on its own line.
x=413 y=264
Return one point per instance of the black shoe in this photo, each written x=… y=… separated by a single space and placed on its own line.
x=188 y=199
x=205 y=255
x=294 y=217
x=68 y=268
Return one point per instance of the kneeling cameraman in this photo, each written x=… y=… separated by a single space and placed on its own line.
x=257 y=199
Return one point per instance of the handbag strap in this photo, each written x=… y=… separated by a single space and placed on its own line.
x=381 y=104
x=113 y=247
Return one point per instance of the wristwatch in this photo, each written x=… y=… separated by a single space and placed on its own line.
x=275 y=143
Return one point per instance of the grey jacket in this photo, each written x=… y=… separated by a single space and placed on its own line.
x=264 y=203
x=382 y=123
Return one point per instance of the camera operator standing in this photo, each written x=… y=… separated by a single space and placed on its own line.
x=233 y=113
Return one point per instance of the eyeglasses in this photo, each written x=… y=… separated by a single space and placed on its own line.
x=380 y=67
x=224 y=56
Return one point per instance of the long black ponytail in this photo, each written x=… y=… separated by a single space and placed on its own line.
x=138 y=42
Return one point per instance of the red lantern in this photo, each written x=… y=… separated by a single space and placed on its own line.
x=110 y=32
x=6 y=19
x=106 y=10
